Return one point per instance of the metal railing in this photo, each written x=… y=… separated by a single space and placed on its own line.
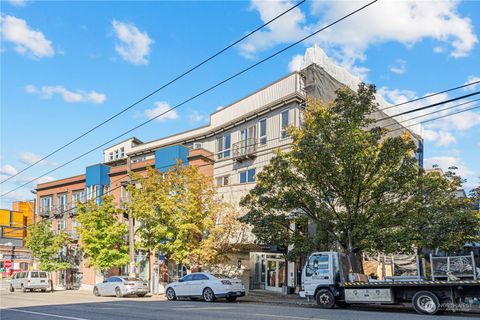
x=245 y=149
x=453 y=267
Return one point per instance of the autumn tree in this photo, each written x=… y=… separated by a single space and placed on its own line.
x=103 y=237
x=46 y=246
x=345 y=174
x=179 y=214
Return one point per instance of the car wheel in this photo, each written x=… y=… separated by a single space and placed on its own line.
x=171 y=294
x=12 y=289
x=44 y=290
x=325 y=299
x=118 y=292
x=96 y=292
x=425 y=302
x=208 y=295
x=141 y=295
x=231 y=299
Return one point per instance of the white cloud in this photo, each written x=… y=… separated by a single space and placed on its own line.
x=444 y=162
x=26 y=40
x=134 y=45
x=406 y=22
x=196 y=116
x=8 y=170
x=470 y=80
x=68 y=96
x=286 y=29
x=439 y=49
x=30 y=158
x=439 y=138
x=295 y=63
x=399 y=66
x=161 y=107
x=18 y=3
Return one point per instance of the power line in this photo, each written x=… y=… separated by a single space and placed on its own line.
x=156 y=91
x=432 y=95
x=199 y=94
x=430 y=105
x=440 y=110
x=440 y=117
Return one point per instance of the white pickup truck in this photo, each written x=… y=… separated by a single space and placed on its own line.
x=325 y=278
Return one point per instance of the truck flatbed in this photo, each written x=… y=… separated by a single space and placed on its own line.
x=410 y=283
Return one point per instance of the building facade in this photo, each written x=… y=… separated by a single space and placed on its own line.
x=13 y=231
x=239 y=140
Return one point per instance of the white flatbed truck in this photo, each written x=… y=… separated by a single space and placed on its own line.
x=325 y=278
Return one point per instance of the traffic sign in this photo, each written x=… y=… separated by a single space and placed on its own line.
x=7 y=264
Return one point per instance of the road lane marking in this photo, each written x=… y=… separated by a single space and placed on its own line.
x=285 y=317
x=45 y=314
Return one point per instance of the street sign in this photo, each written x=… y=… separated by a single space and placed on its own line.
x=7 y=264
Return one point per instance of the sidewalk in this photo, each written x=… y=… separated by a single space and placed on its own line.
x=264 y=296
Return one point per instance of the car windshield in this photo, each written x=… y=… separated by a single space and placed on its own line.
x=131 y=279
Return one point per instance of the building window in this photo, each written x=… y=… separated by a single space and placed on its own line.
x=110 y=156
x=223 y=181
x=116 y=154
x=197 y=145
x=223 y=146
x=46 y=204
x=122 y=152
x=263 y=131
x=92 y=192
x=61 y=225
x=247 y=176
x=284 y=124
x=62 y=201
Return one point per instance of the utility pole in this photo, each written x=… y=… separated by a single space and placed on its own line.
x=131 y=225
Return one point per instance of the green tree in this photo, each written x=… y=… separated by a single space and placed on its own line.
x=349 y=177
x=179 y=214
x=441 y=217
x=46 y=245
x=103 y=238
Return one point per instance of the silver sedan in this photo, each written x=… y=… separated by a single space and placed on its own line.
x=120 y=287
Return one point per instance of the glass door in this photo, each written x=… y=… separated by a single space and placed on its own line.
x=275 y=275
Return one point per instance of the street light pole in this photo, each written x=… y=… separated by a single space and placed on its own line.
x=131 y=225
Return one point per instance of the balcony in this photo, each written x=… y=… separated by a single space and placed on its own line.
x=245 y=149
x=45 y=213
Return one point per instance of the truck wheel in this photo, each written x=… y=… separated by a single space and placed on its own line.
x=325 y=299
x=425 y=302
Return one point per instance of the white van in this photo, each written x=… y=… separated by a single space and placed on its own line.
x=30 y=280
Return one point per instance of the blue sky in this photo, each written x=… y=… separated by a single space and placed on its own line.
x=66 y=66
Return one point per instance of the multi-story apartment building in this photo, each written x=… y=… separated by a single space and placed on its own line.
x=237 y=143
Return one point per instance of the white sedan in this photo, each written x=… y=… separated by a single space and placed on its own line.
x=207 y=286
x=120 y=287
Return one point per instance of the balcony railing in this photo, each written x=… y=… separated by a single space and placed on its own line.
x=245 y=149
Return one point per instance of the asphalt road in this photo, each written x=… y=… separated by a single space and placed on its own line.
x=81 y=305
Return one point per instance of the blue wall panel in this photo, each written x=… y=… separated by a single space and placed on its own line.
x=97 y=175
x=166 y=158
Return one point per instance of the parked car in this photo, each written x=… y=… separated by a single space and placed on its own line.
x=207 y=286
x=30 y=281
x=121 y=286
